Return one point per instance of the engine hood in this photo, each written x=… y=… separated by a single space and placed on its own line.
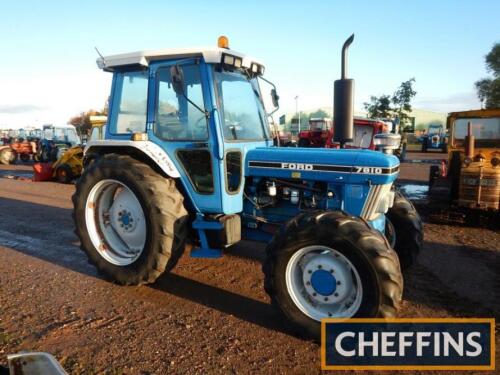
x=347 y=165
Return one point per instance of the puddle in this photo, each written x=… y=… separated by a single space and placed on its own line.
x=16 y=174
x=414 y=191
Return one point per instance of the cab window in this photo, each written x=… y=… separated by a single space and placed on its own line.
x=131 y=94
x=176 y=118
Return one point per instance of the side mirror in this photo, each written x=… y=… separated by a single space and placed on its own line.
x=177 y=79
x=275 y=98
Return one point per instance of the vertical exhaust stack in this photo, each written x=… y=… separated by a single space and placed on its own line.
x=469 y=142
x=343 y=99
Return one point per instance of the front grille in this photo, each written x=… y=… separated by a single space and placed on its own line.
x=376 y=193
x=479 y=188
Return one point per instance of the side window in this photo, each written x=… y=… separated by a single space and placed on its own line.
x=198 y=166
x=233 y=171
x=176 y=118
x=131 y=95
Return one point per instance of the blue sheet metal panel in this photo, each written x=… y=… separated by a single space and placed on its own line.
x=355 y=197
x=343 y=166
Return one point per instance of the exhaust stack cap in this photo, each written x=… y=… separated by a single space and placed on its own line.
x=343 y=109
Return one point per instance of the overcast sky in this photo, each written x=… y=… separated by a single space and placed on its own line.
x=48 y=70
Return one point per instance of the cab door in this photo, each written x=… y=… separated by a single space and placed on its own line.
x=186 y=130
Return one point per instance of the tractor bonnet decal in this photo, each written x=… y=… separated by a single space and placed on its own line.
x=324 y=168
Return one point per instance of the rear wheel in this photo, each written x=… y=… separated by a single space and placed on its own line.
x=330 y=264
x=433 y=175
x=131 y=221
x=408 y=228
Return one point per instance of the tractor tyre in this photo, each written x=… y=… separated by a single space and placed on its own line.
x=304 y=142
x=6 y=155
x=424 y=146
x=24 y=157
x=64 y=174
x=330 y=264
x=434 y=172
x=130 y=220
x=409 y=230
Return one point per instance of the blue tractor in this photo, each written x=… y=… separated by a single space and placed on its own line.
x=187 y=157
x=435 y=139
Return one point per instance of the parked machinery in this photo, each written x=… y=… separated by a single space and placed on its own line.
x=188 y=159
x=435 y=139
x=56 y=139
x=471 y=177
x=317 y=134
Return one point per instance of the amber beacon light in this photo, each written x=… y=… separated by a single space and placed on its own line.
x=223 y=42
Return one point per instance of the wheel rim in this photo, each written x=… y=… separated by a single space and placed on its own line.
x=323 y=283
x=115 y=222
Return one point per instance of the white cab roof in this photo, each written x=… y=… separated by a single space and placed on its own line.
x=211 y=55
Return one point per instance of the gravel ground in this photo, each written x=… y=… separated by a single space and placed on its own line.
x=208 y=316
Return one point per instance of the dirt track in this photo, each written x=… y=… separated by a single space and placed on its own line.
x=209 y=315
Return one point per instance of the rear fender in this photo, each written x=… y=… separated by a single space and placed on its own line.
x=153 y=154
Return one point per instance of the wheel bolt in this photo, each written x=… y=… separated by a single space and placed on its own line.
x=326 y=298
x=120 y=214
x=336 y=294
x=309 y=271
x=329 y=314
x=308 y=283
x=332 y=271
x=319 y=266
x=338 y=283
x=314 y=294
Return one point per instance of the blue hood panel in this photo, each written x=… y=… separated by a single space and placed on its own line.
x=321 y=164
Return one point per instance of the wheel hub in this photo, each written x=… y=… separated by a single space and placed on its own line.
x=327 y=279
x=126 y=220
x=323 y=282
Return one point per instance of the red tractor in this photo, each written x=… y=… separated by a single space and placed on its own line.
x=317 y=135
x=320 y=133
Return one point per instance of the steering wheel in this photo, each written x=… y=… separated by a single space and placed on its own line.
x=197 y=126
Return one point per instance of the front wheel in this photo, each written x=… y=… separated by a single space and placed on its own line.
x=24 y=157
x=64 y=174
x=6 y=155
x=304 y=142
x=330 y=264
x=130 y=220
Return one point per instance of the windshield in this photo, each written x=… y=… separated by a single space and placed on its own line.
x=482 y=128
x=435 y=129
x=317 y=125
x=241 y=106
x=66 y=135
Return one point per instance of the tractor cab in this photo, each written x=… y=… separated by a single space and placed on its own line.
x=202 y=107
